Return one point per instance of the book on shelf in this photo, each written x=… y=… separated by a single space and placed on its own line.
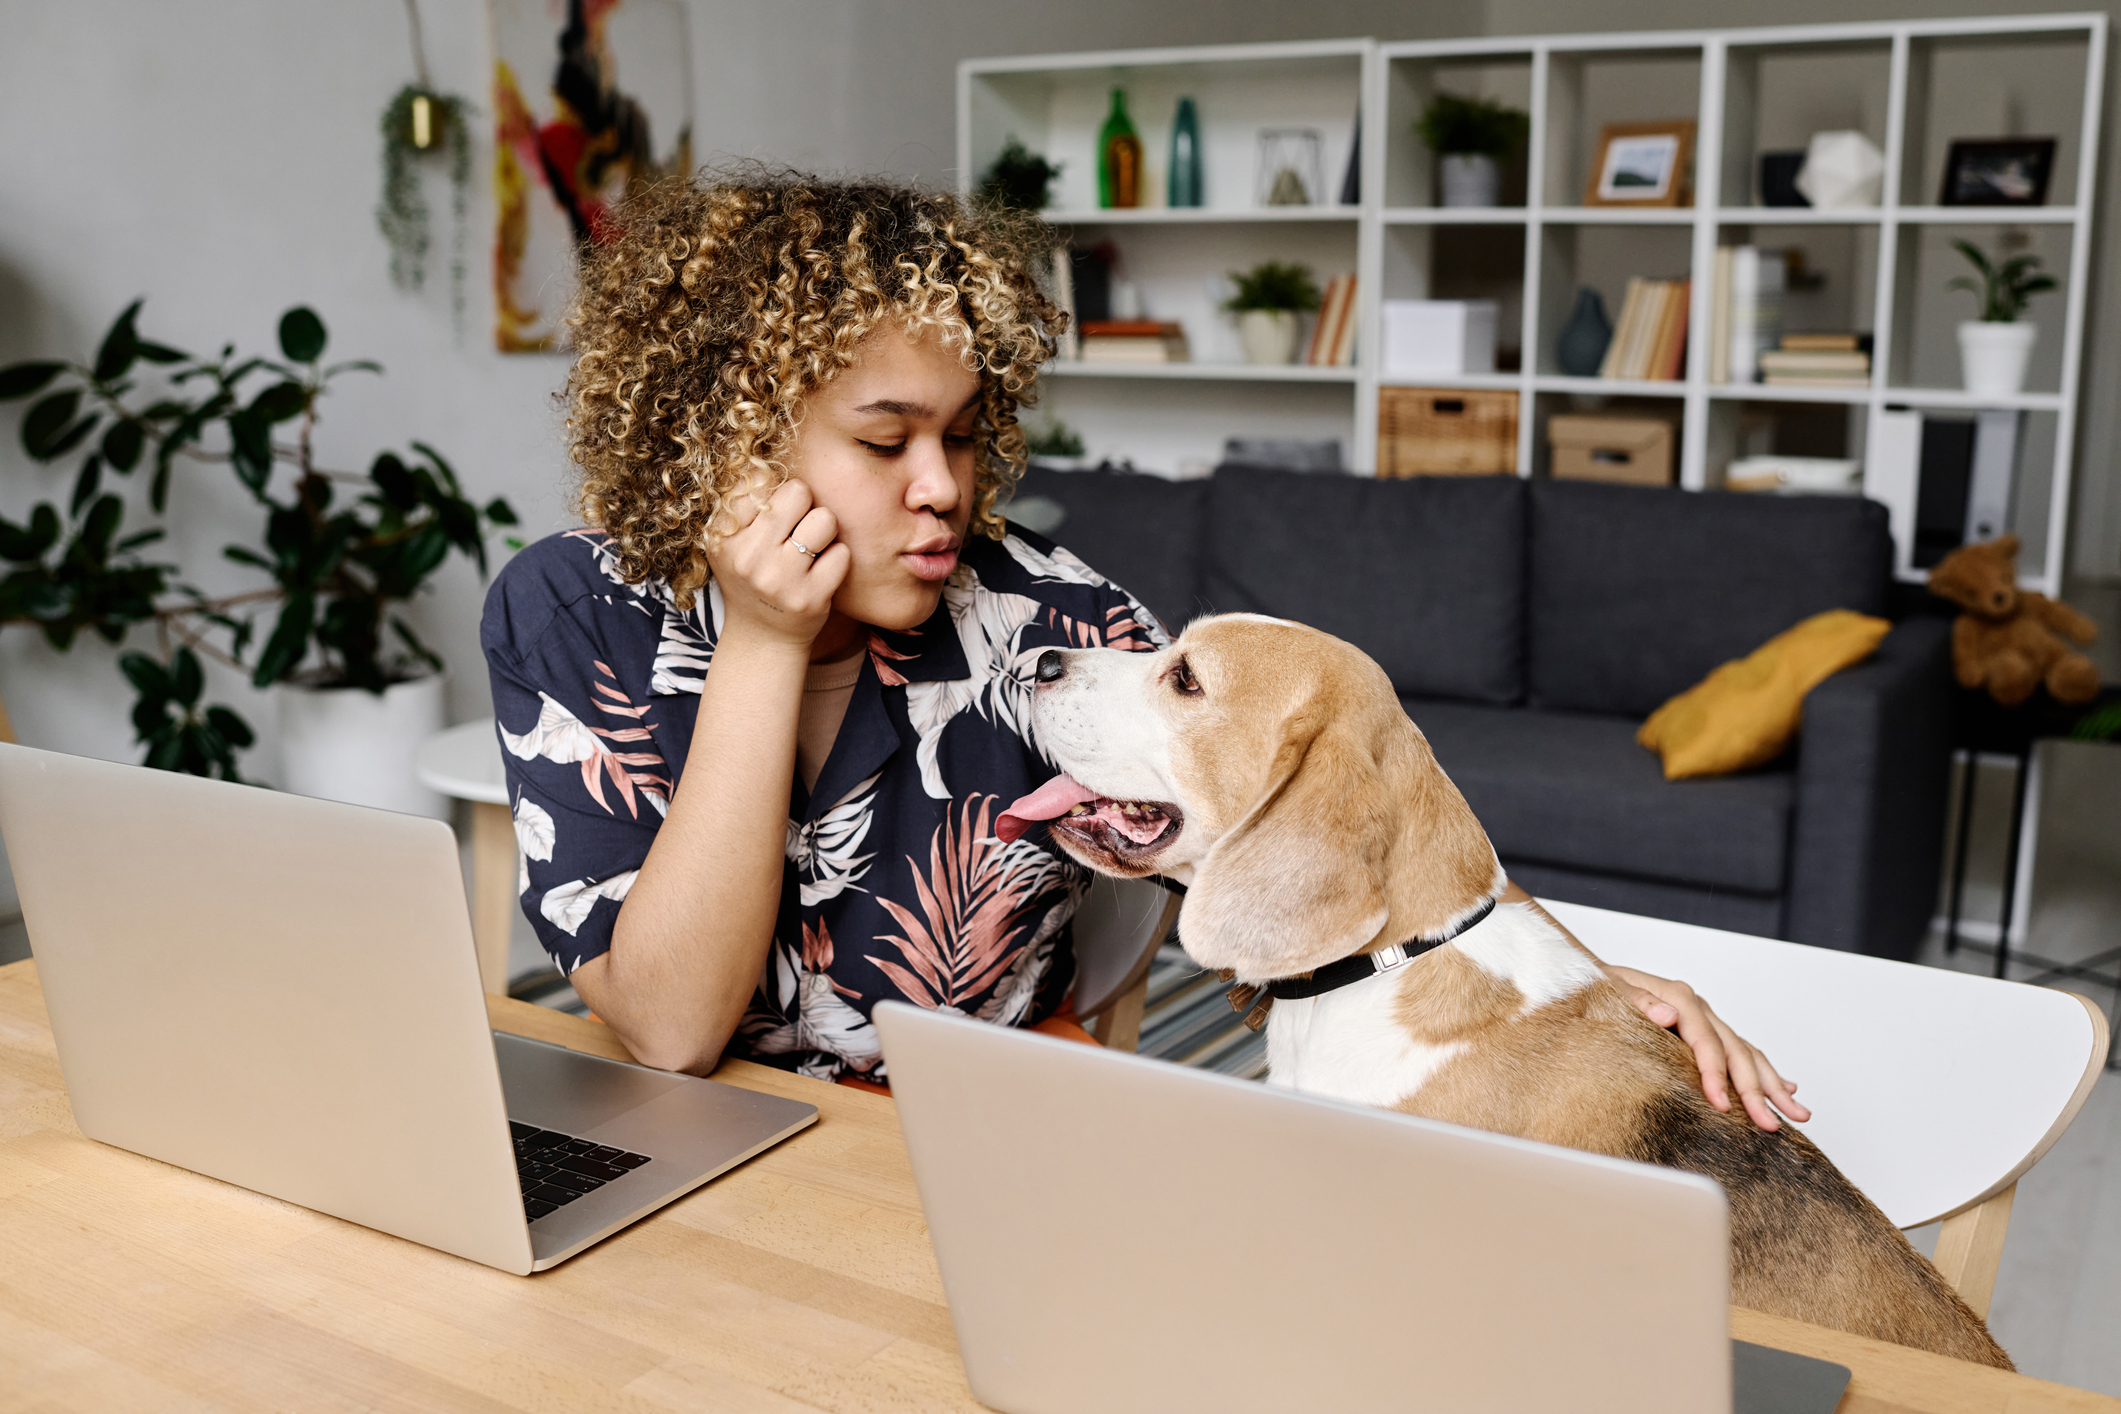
x=1827 y=343
x=1133 y=341
x=1333 y=336
x=1818 y=361
x=1752 y=309
x=1649 y=339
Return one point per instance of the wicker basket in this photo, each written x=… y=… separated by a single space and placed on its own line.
x=1446 y=432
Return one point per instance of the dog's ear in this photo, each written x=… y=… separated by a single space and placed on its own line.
x=1298 y=881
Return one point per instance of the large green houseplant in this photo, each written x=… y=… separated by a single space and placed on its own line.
x=341 y=551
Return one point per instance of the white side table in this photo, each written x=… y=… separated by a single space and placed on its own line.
x=465 y=762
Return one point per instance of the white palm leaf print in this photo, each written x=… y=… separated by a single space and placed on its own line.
x=557 y=735
x=535 y=836
x=1063 y=566
x=568 y=905
x=686 y=647
x=987 y=624
x=823 y=850
x=822 y=1019
x=561 y=737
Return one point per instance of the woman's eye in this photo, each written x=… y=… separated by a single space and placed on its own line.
x=881 y=449
x=958 y=439
x=1182 y=680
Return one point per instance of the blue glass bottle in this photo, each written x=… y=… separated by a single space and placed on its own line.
x=1184 y=178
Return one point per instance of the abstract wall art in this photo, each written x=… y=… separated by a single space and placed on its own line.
x=591 y=100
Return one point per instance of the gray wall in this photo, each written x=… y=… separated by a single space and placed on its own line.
x=221 y=159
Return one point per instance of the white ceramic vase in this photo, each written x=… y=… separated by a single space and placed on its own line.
x=341 y=743
x=1268 y=335
x=1469 y=179
x=1994 y=356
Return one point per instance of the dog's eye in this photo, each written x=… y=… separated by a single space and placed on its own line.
x=1182 y=680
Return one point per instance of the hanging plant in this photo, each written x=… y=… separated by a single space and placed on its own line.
x=422 y=126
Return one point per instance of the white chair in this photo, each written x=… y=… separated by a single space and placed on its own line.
x=1934 y=1091
x=1121 y=924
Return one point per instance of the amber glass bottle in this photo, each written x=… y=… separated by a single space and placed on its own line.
x=1119 y=154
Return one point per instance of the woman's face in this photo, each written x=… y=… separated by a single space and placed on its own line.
x=887 y=447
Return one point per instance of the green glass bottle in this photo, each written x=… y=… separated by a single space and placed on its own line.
x=1119 y=157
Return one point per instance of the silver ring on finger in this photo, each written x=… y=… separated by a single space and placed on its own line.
x=804 y=548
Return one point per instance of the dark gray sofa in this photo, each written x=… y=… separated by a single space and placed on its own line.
x=1529 y=628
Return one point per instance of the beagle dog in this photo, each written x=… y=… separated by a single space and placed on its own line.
x=1328 y=860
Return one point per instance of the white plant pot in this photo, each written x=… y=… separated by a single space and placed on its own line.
x=1469 y=179
x=1994 y=356
x=341 y=743
x=1268 y=335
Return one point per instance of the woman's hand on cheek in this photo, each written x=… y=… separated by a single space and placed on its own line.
x=771 y=588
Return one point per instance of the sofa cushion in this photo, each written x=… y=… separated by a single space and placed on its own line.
x=1574 y=790
x=1425 y=575
x=1635 y=594
x=1761 y=916
x=1141 y=532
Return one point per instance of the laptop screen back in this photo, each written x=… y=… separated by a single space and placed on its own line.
x=1118 y=1234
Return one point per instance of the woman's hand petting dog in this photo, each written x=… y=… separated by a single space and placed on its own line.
x=1726 y=1058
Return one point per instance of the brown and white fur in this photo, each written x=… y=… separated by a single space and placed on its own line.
x=1309 y=820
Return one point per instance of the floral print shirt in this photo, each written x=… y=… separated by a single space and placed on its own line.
x=894 y=885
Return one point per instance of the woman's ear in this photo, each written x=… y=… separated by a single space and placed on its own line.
x=1299 y=880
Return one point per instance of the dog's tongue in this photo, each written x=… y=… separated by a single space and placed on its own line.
x=1049 y=802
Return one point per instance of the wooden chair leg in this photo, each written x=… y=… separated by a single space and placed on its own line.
x=1119 y=1026
x=493 y=891
x=1970 y=1247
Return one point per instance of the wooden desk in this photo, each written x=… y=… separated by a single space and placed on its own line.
x=802 y=1280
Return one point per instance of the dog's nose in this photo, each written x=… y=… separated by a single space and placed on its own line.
x=1051 y=666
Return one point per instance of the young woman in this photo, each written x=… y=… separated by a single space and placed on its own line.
x=794 y=407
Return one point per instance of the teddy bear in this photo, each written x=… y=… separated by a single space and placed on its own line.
x=2005 y=641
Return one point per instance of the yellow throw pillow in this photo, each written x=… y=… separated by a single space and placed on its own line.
x=1743 y=714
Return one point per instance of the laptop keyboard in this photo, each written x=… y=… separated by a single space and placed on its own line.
x=557 y=1168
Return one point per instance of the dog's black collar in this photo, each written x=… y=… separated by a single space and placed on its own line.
x=1368 y=964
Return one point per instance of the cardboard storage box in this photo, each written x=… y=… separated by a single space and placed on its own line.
x=1446 y=431
x=1607 y=447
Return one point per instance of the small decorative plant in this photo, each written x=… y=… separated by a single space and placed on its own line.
x=1273 y=285
x=1055 y=439
x=422 y=125
x=1019 y=177
x=1471 y=127
x=338 y=567
x=2003 y=289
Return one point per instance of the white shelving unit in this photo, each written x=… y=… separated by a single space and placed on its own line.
x=1906 y=83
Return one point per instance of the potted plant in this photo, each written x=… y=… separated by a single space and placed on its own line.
x=341 y=550
x=1471 y=138
x=1019 y=177
x=1994 y=349
x=1269 y=297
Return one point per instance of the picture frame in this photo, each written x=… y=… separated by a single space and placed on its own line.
x=1643 y=164
x=2000 y=171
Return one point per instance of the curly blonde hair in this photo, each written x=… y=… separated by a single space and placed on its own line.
x=729 y=299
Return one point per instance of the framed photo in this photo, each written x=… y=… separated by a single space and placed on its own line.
x=2002 y=171
x=1643 y=164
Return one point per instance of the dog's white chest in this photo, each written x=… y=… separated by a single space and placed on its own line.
x=1349 y=1044
x=1353 y=1043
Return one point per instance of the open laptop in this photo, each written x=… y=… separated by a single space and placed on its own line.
x=283 y=993
x=1120 y=1234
